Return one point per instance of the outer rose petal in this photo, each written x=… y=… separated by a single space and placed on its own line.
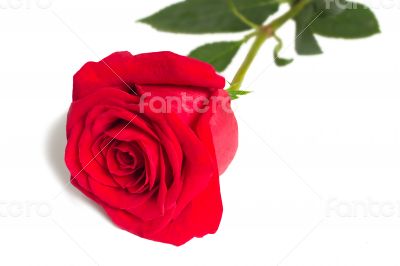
x=123 y=69
x=224 y=130
x=198 y=219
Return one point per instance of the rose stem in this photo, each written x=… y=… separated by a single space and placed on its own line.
x=262 y=34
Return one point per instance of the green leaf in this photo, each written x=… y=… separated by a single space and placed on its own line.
x=339 y=19
x=218 y=54
x=306 y=43
x=279 y=61
x=329 y=7
x=234 y=94
x=356 y=21
x=210 y=16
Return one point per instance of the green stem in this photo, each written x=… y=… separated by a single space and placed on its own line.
x=262 y=34
x=294 y=11
x=241 y=73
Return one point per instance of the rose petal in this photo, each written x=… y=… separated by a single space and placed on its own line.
x=124 y=70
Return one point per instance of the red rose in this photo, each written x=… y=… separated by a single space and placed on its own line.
x=150 y=160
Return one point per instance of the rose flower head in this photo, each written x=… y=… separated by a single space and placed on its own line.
x=148 y=137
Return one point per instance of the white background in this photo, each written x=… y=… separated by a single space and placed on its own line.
x=316 y=180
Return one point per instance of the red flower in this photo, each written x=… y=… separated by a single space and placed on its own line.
x=148 y=136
